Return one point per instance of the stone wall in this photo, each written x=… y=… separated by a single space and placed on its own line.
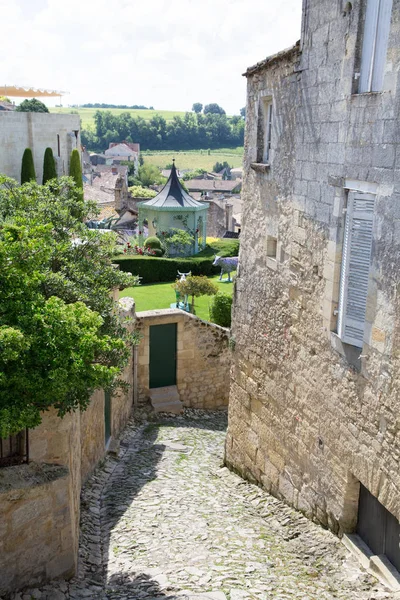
x=203 y=358
x=36 y=528
x=309 y=416
x=20 y=130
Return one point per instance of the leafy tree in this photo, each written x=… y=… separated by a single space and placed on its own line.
x=137 y=191
x=218 y=167
x=33 y=105
x=193 y=174
x=243 y=112
x=75 y=169
x=197 y=107
x=214 y=108
x=27 y=167
x=60 y=336
x=5 y=99
x=221 y=308
x=150 y=175
x=49 y=166
x=195 y=286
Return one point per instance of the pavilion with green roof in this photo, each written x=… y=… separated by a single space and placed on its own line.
x=174 y=208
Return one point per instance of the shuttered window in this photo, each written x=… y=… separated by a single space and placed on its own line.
x=356 y=259
x=375 y=42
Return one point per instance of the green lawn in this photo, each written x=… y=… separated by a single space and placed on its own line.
x=87 y=114
x=195 y=159
x=161 y=295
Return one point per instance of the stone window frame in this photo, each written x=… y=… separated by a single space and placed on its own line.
x=264 y=148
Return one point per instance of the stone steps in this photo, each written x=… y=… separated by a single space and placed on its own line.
x=166 y=399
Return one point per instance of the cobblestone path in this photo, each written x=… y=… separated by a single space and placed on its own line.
x=166 y=520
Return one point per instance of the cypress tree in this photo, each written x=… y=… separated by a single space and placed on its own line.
x=27 y=167
x=49 y=166
x=75 y=170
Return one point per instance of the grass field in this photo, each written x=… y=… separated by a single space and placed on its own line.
x=87 y=114
x=161 y=295
x=196 y=159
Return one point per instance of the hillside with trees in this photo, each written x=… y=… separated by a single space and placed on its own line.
x=211 y=128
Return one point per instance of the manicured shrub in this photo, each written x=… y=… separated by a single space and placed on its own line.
x=220 y=309
x=152 y=242
x=75 y=169
x=222 y=247
x=27 y=167
x=49 y=166
x=153 y=270
x=158 y=252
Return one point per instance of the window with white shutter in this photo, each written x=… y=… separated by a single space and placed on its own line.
x=356 y=260
x=375 y=42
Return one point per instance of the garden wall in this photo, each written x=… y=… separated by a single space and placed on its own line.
x=203 y=358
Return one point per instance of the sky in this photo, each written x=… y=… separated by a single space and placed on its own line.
x=166 y=54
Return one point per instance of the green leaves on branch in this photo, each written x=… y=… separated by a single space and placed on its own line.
x=60 y=336
x=195 y=286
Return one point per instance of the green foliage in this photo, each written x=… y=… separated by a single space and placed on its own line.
x=138 y=191
x=60 y=336
x=5 y=99
x=197 y=107
x=214 y=108
x=193 y=174
x=75 y=169
x=150 y=175
x=152 y=242
x=33 y=105
x=49 y=166
x=27 y=167
x=221 y=247
x=218 y=167
x=195 y=286
x=190 y=131
x=154 y=270
x=220 y=309
x=178 y=242
x=131 y=171
x=243 y=112
x=158 y=252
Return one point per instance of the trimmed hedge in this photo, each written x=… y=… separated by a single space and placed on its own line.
x=154 y=270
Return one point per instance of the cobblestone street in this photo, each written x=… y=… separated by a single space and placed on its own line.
x=166 y=520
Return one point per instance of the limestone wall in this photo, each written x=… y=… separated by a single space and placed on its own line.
x=203 y=358
x=309 y=416
x=36 y=528
x=19 y=130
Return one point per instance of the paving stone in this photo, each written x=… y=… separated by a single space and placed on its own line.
x=165 y=521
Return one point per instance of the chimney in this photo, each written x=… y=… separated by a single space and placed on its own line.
x=114 y=170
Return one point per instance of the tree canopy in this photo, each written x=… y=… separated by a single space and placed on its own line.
x=214 y=108
x=197 y=107
x=60 y=336
x=75 y=169
x=33 y=105
x=195 y=286
x=27 y=167
x=193 y=131
x=49 y=166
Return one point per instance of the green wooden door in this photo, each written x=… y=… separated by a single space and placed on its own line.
x=107 y=416
x=162 y=355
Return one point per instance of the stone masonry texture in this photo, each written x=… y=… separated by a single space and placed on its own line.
x=309 y=417
x=164 y=520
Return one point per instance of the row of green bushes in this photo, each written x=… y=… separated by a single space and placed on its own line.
x=153 y=269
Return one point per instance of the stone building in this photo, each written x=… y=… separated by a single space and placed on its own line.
x=314 y=402
x=38 y=131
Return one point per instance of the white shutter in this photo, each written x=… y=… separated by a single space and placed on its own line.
x=356 y=259
x=382 y=38
x=368 y=48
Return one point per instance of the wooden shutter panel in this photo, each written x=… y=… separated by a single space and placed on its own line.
x=381 y=44
x=368 y=48
x=356 y=259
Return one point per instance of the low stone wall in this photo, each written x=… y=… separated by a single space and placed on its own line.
x=203 y=358
x=36 y=528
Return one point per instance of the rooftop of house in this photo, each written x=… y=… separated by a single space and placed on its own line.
x=271 y=59
x=133 y=146
x=98 y=195
x=214 y=185
x=106 y=178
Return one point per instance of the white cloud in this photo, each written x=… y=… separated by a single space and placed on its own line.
x=168 y=54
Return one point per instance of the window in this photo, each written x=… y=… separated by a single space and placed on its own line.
x=356 y=258
x=376 y=35
x=271 y=246
x=264 y=133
